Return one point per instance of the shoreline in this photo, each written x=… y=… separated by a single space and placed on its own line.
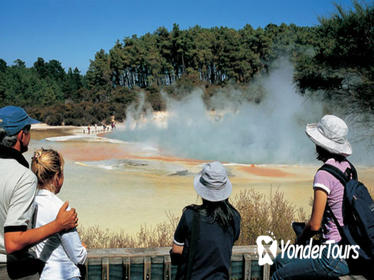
x=66 y=130
x=44 y=126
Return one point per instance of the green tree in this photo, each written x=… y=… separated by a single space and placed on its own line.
x=54 y=70
x=3 y=65
x=342 y=64
x=99 y=72
x=41 y=68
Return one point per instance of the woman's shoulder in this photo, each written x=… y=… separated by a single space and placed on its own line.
x=322 y=175
x=342 y=165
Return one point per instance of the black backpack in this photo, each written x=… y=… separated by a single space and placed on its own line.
x=358 y=212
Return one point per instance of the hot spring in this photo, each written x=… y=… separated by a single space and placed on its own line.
x=145 y=168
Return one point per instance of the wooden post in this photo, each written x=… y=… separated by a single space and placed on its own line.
x=266 y=274
x=105 y=269
x=247 y=266
x=147 y=268
x=167 y=267
x=126 y=268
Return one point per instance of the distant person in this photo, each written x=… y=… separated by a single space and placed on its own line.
x=61 y=252
x=17 y=188
x=206 y=233
x=332 y=147
x=89 y=129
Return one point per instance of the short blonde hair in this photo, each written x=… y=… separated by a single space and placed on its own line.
x=46 y=163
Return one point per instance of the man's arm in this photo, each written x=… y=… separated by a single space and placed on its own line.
x=17 y=240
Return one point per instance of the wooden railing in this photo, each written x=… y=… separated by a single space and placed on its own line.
x=155 y=264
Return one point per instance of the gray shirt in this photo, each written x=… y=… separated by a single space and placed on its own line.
x=17 y=192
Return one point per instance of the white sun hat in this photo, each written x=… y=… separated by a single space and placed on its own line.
x=330 y=133
x=212 y=183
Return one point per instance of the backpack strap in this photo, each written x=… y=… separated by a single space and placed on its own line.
x=343 y=178
x=193 y=245
x=340 y=229
x=353 y=171
x=336 y=172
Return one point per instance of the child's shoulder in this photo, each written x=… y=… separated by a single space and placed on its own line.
x=48 y=199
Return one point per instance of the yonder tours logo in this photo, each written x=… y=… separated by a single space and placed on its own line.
x=264 y=252
x=267 y=250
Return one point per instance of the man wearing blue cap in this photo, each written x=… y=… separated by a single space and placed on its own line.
x=17 y=190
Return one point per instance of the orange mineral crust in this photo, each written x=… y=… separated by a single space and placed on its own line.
x=263 y=171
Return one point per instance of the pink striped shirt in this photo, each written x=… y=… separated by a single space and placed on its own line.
x=335 y=191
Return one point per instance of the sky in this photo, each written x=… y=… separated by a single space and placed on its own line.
x=72 y=31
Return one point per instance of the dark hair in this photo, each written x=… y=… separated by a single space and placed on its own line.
x=324 y=155
x=27 y=128
x=221 y=212
x=10 y=140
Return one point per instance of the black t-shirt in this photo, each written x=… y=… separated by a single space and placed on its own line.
x=212 y=257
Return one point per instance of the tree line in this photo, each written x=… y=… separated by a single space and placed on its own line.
x=214 y=55
x=333 y=59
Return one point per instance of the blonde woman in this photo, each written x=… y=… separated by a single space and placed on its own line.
x=63 y=251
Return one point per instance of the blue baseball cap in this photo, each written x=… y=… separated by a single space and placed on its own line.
x=13 y=119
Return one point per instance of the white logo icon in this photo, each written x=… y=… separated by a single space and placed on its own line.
x=264 y=253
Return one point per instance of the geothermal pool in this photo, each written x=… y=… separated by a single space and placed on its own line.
x=120 y=185
x=145 y=168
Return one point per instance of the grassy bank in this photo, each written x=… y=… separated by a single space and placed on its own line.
x=261 y=215
x=271 y=215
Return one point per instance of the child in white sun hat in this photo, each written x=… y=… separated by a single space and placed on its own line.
x=205 y=234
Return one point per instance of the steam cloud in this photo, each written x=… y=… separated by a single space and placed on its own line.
x=241 y=130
